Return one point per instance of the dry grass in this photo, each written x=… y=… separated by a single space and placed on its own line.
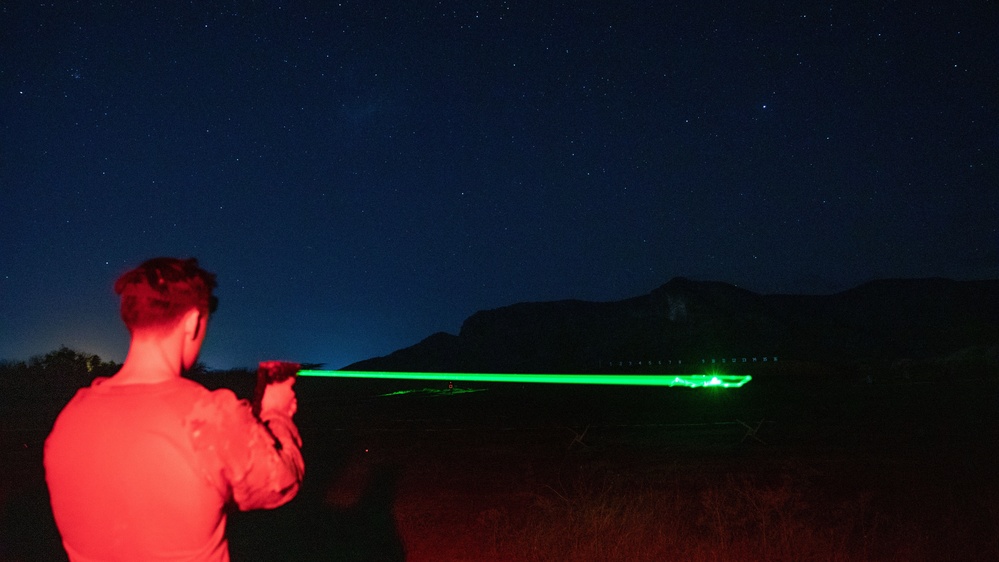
x=849 y=473
x=783 y=515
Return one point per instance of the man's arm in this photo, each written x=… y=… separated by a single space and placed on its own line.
x=259 y=460
x=276 y=467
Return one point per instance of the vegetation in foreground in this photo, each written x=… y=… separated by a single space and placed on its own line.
x=886 y=477
x=455 y=500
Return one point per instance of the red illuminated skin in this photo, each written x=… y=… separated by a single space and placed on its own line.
x=141 y=465
x=160 y=354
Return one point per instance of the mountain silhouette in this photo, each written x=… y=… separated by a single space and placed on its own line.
x=878 y=324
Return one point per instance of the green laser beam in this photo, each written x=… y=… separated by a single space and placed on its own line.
x=691 y=381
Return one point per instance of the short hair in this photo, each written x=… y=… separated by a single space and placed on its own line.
x=161 y=290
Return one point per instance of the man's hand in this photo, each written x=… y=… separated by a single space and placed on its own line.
x=280 y=397
x=273 y=391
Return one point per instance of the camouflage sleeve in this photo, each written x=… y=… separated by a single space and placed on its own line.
x=260 y=464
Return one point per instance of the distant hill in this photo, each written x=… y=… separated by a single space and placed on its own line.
x=880 y=324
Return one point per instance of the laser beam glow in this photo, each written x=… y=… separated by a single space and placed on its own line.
x=690 y=381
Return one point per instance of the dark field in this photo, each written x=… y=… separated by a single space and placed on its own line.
x=834 y=471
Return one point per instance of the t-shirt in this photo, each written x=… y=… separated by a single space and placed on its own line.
x=144 y=471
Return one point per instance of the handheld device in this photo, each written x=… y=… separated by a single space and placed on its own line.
x=270 y=372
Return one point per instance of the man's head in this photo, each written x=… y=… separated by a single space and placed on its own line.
x=157 y=294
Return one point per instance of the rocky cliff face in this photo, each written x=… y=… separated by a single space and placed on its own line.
x=878 y=323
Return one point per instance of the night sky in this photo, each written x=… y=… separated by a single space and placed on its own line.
x=363 y=174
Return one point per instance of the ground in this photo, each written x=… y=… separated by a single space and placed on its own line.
x=783 y=468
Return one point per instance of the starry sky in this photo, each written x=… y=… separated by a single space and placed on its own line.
x=362 y=174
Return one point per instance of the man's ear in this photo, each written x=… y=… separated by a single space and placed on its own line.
x=192 y=323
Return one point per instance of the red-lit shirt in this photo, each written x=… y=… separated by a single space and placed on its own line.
x=144 y=471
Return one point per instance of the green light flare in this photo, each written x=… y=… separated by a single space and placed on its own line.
x=690 y=381
x=435 y=391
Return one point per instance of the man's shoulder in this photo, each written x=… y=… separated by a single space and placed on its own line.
x=201 y=390
x=219 y=420
x=214 y=405
x=221 y=396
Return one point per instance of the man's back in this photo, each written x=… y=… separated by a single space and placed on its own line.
x=143 y=471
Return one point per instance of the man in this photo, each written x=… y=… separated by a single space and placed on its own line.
x=141 y=465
